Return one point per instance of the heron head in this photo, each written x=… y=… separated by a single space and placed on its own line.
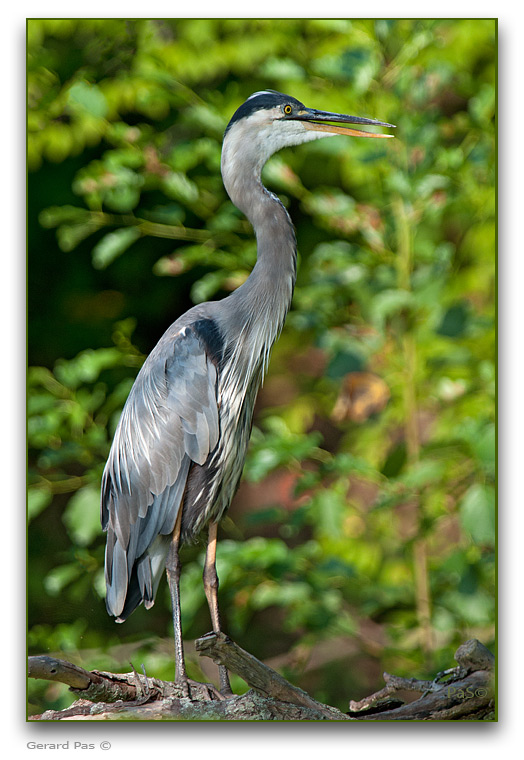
x=270 y=120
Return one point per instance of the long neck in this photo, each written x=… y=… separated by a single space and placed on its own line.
x=266 y=295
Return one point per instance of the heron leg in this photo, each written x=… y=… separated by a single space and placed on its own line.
x=210 y=578
x=173 y=579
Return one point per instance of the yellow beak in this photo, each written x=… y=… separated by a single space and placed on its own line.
x=319 y=121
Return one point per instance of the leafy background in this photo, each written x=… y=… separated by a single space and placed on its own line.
x=362 y=537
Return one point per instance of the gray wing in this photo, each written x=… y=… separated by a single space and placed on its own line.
x=170 y=420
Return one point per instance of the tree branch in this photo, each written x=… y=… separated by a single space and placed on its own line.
x=466 y=694
x=98 y=685
x=264 y=679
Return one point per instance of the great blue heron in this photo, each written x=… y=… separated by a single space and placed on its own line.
x=180 y=446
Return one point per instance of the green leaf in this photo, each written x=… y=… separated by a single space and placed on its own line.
x=423 y=473
x=82 y=516
x=37 y=500
x=329 y=507
x=56 y=215
x=207 y=286
x=455 y=321
x=430 y=183
x=122 y=198
x=474 y=609
x=70 y=235
x=344 y=362
x=484 y=448
x=113 y=245
x=482 y=105
x=282 y=68
x=60 y=577
x=86 y=367
x=83 y=96
x=281 y=594
x=477 y=513
x=390 y=302
x=178 y=186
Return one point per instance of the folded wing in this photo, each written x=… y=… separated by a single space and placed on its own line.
x=170 y=420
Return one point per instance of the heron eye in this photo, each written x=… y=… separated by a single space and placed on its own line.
x=288 y=109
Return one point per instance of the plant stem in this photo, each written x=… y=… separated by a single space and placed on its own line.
x=411 y=432
x=154 y=229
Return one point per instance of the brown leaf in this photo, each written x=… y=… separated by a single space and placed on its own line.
x=362 y=394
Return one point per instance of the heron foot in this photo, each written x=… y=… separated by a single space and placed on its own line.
x=205 y=692
x=200 y=692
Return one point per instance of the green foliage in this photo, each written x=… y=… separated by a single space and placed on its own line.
x=72 y=413
x=130 y=225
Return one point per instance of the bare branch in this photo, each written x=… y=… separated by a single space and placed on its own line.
x=466 y=694
x=97 y=685
x=264 y=679
x=468 y=691
x=51 y=669
x=474 y=656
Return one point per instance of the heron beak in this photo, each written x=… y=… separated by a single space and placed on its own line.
x=318 y=121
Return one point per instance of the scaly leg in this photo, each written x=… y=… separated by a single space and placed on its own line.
x=211 y=590
x=173 y=578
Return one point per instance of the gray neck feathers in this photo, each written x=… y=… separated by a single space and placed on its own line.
x=257 y=309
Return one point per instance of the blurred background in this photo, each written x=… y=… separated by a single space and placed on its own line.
x=362 y=537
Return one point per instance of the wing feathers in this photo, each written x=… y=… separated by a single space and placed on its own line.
x=169 y=421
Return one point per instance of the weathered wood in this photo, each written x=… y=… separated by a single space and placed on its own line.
x=264 y=679
x=51 y=669
x=247 y=707
x=466 y=694
x=468 y=699
x=474 y=656
x=97 y=685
